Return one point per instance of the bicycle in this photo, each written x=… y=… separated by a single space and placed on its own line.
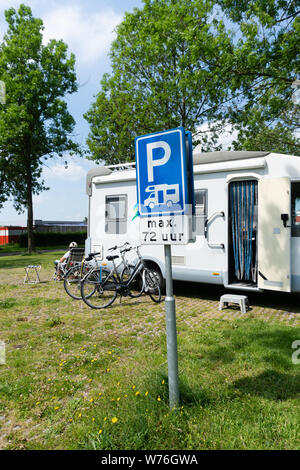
x=94 y=276
x=137 y=286
x=74 y=275
x=100 y=288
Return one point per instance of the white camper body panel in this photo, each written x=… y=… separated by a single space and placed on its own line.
x=209 y=258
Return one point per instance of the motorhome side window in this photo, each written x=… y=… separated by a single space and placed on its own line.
x=116 y=214
x=296 y=209
x=200 y=210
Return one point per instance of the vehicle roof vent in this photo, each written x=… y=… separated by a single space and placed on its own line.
x=122 y=166
x=215 y=157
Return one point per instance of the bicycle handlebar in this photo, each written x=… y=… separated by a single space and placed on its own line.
x=117 y=247
x=92 y=255
x=125 y=250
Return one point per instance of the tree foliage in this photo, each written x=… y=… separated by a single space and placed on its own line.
x=34 y=123
x=177 y=62
x=163 y=76
x=266 y=70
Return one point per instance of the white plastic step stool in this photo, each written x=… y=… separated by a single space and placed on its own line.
x=241 y=300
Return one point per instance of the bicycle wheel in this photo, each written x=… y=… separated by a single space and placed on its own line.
x=137 y=285
x=99 y=289
x=72 y=283
x=152 y=286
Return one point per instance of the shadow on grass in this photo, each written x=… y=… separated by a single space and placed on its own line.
x=264 y=349
x=221 y=354
x=271 y=384
x=275 y=344
x=188 y=396
x=271 y=347
x=273 y=300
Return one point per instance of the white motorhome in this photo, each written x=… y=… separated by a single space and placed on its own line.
x=247 y=220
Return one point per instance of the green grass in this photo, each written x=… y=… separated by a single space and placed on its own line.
x=19 y=261
x=81 y=379
x=15 y=248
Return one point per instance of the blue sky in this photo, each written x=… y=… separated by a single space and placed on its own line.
x=88 y=29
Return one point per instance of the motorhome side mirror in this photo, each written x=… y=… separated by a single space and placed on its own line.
x=284 y=218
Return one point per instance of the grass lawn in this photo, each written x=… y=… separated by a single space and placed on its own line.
x=76 y=378
x=16 y=248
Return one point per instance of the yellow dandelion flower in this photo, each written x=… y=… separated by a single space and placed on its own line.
x=93 y=419
x=38 y=402
x=49 y=380
x=56 y=408
x=125 y=396
x=114 y=420
x=79 y=415
x=105 y=418
x=146 y=394
x=60 y=350
x=91 y=400
x=70 y=420
x=100 y=431
x=90 y=380
x=133 y=387
x=107 y=370
x=100 y=394
x=118 y=399
x=158 y=399
x=163 y=382
x=137 y=393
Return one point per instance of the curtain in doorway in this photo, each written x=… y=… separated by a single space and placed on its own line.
x=243 y=197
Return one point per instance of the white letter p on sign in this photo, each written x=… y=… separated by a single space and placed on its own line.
x=159 y=161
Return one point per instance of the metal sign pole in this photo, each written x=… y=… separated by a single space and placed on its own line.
x=171 y=332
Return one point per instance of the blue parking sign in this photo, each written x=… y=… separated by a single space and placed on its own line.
x=161 y=166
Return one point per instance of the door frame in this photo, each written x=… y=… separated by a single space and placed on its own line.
x=231 y=179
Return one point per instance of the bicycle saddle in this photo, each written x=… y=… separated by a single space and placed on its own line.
x=110 y=258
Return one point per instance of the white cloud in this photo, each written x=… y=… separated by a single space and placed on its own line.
x=226 y=137
x=73 y=172
x=88 y=34
x=5 y=4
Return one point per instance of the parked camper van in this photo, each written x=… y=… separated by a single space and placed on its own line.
x=247 y=220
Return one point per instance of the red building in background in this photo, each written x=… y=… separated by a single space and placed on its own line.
x=10 y=234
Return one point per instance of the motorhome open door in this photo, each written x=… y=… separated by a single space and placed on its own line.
x=274 y=234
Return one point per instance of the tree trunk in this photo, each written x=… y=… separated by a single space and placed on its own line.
x=30 y=237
